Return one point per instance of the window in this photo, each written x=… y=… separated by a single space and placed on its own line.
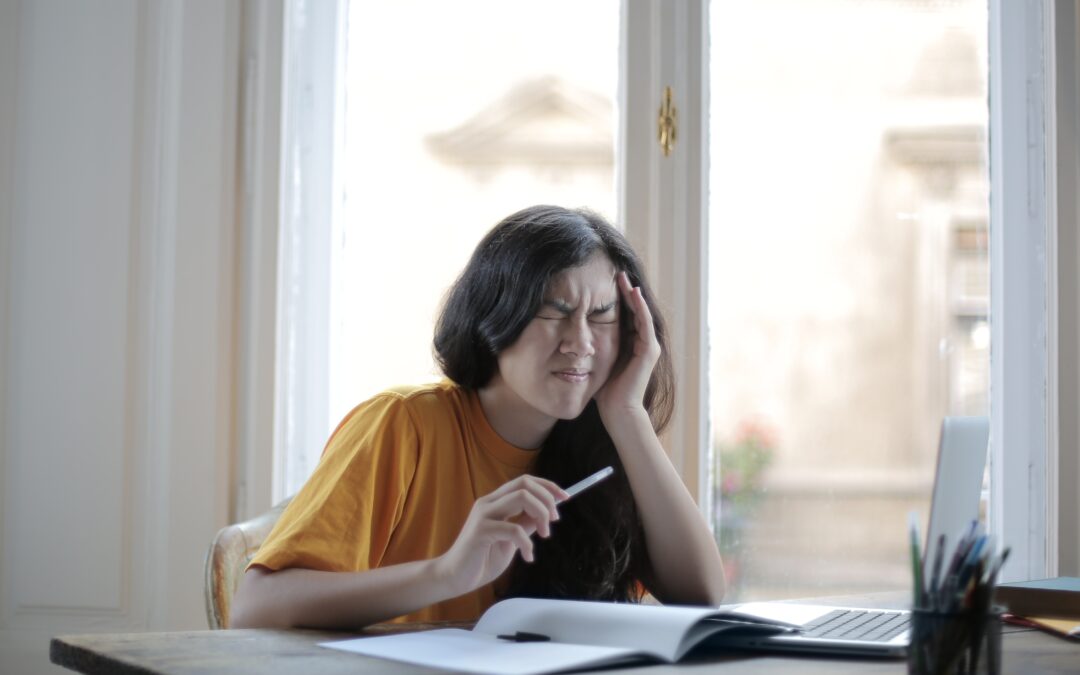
x=441 y=128
x=848 y=279
x=921 y=175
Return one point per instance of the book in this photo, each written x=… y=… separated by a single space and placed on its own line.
x=1066 y=628
x=527 y=636
x=1058 y=597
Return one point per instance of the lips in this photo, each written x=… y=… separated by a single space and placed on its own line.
x=572 y=375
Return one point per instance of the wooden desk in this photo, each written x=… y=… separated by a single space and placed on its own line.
x=271 y=652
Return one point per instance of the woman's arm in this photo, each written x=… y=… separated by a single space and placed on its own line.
x=499 y=525
x=685 y=560
x=684 y=556
x=302 y=598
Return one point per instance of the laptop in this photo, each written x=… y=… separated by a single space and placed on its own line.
x=882 y=632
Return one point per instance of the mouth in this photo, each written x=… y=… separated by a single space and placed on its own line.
x=572 y=375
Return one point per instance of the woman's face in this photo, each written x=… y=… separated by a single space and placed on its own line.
x=566 y=353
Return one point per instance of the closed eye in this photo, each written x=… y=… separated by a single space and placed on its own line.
x=557 y=311
x=605 y=314
x=554 y=310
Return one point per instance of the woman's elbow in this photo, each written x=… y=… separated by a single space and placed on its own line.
x=248 y=609
x=717 y=589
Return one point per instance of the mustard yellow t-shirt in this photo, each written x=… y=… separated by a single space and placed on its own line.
x=395 y=484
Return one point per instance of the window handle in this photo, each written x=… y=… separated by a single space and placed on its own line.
x=666 y=126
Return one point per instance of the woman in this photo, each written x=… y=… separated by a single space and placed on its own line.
x=425 y=495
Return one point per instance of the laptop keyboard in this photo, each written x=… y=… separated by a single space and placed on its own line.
x=862 y=625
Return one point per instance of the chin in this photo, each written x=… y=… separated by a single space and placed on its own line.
x=570 y=411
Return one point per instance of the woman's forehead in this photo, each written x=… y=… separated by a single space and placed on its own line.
x=596 y=277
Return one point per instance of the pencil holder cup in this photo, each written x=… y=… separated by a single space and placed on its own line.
x=955 y=643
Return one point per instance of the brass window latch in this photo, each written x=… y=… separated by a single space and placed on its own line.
x=667 y=122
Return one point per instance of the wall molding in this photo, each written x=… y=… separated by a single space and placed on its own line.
x=9 y=53
x=160 y=138
x=67 y=365
x=259 y=217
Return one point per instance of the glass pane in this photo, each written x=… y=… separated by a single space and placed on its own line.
x=848 y=278
x=456 y=115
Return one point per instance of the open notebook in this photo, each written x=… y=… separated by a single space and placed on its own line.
x=526 y=636
x=523 y=636
x=955 y=503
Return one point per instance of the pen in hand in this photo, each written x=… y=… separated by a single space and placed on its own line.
x=585 y=483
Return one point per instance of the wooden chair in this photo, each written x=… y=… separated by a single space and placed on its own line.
x=228 y=557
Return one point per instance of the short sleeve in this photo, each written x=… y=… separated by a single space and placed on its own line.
x=344 y=516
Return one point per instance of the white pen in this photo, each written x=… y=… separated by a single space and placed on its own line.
x=590 y=481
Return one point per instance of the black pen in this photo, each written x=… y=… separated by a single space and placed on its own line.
x=522 y=636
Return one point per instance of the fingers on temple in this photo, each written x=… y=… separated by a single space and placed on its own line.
x=642 y=315
x=635 y=300
x=627 y=291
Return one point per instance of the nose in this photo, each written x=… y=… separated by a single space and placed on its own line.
x=577 y=338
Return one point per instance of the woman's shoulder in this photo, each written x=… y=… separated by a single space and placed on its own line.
x=423 y=403
x=424 y=396
x=405 y=410
x=442 y=389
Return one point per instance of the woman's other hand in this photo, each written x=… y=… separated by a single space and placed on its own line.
x=625 y=389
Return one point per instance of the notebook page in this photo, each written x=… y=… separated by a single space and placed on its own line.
x=468 y=652
x=650 y=629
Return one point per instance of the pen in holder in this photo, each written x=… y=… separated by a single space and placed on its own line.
x=960 y=642
x=954 y=628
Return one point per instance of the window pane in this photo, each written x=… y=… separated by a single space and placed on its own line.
x=848 y=278
x=456 y=115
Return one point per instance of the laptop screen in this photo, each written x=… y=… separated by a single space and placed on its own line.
x=958 y=481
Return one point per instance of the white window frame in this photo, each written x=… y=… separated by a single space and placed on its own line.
x=663 y=205
x=663 y=201
x=1029 y=304
x=311 y=136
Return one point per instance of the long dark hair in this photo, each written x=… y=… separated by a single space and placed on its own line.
x=597 y=549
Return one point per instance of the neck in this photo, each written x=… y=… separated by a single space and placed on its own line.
x=513 y=419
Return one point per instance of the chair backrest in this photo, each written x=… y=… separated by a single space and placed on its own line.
x=228 y=557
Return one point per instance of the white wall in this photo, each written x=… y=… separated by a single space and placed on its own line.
x=119 y=282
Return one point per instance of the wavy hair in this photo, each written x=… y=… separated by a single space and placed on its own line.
x=597 y=550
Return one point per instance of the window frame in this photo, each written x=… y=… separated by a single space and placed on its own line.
x=310 y=137
x=1028 y=301
x=663 y=205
